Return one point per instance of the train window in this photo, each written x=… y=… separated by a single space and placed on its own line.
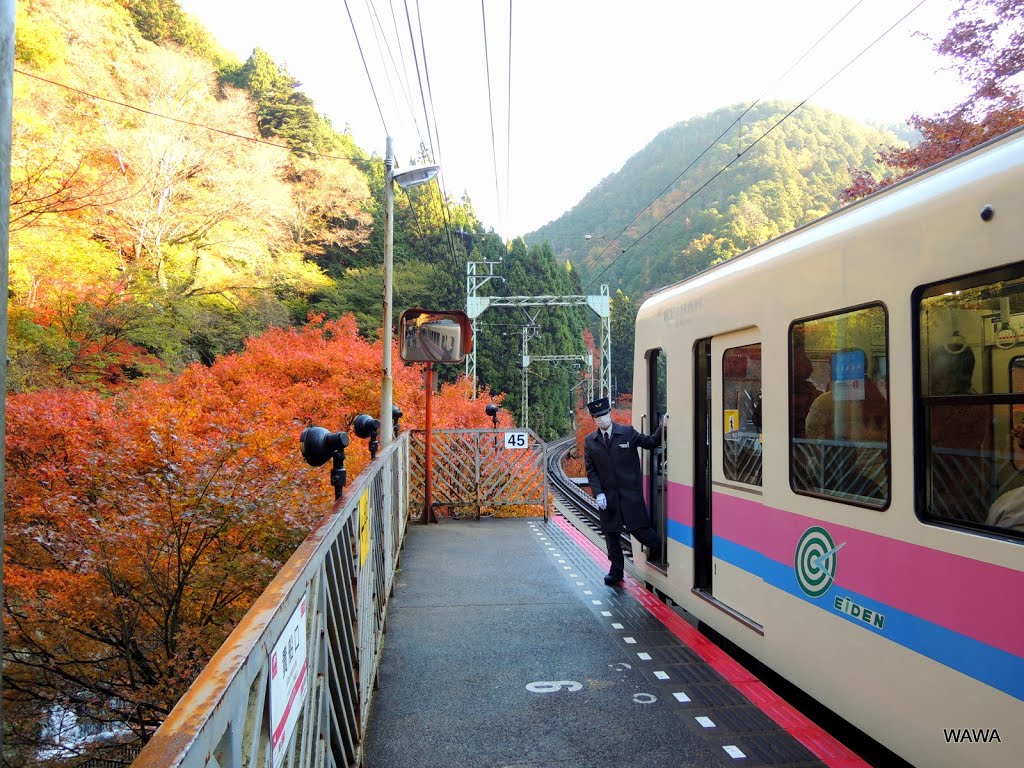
x=741 y=413
x=971 y=401
x=1017 y=413
x=839 y=409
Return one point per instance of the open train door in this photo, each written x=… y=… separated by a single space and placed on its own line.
x=656 y=461
x=702 y=542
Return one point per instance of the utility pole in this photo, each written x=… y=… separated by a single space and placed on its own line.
x=474 y=280
x=6 y=109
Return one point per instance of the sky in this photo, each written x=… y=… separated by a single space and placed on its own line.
x=560 y=93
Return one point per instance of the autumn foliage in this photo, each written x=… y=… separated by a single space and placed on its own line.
x=141 y=526
x=985 y=46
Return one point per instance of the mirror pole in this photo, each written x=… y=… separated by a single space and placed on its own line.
x=427 y=515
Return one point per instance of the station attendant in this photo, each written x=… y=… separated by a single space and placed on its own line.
x=616 y=480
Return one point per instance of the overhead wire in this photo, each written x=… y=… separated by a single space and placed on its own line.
x=419 y=77
x=508 y=127
x=437 y=132
x=759 y=139
x=366 y=69
x=756 y=141
x=490 y=104
x=193 y=124
x=728 y=128
x=400 y=73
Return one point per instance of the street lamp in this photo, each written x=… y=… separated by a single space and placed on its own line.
x=411 y=177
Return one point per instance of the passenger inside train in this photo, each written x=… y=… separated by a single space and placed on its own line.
x=851 y=421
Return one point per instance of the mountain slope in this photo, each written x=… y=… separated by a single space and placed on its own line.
x=708 y=189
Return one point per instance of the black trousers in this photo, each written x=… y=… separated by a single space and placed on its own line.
x=646 y=536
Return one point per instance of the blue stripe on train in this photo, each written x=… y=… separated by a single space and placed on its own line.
x=1000 y=669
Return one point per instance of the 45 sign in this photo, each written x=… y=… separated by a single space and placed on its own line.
x=516 y=440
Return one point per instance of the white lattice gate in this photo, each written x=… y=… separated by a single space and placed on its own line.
x=502 y=471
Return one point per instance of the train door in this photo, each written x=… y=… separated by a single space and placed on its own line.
x=657 y=460
x=735 y=463
x=702 y=553
x=727 y=454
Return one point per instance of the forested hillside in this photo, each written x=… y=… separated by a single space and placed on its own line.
x=720 y=184
x=168 y=201
x=195 y=274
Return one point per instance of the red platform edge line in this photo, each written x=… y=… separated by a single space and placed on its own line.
x=818 y=741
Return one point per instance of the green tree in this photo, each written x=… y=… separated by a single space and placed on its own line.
x=623 y=323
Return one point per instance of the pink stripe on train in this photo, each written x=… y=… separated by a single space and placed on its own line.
x=967 y=596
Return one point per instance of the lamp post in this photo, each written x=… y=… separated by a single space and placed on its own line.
x=419 y=174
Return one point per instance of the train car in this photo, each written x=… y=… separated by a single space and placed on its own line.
x=842 y=483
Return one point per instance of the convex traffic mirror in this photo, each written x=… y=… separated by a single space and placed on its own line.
x=427 y=336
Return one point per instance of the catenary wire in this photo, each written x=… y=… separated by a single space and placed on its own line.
x=728 y=128
x=419 y=77
x=400 y=74
x=508 y=127
x=445 y=211
x=754 y=143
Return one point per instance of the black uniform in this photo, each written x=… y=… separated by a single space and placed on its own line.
x=614 y=470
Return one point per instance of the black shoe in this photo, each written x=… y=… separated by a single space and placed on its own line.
x=611 y=579
x=654 y=553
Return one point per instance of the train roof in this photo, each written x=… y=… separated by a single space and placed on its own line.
x=786 y=243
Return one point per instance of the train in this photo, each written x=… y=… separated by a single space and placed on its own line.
x=841 y=484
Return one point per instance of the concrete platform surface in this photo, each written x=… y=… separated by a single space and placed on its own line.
x=505 y=648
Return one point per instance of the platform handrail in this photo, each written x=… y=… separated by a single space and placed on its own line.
x=344 y=570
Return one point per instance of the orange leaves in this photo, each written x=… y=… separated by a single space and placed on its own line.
x=141 y=526
x=984 y=46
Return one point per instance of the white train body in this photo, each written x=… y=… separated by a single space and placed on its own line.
x=830 y=505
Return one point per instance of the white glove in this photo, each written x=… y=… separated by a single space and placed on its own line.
x=602 y=502
x=664 y=420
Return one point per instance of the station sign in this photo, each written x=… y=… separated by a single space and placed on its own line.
x=289 y=682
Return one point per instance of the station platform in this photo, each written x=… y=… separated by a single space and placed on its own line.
x=504 y=647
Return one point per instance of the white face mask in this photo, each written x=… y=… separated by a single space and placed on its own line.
x=603 y=422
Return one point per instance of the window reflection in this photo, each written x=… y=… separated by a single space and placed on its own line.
x=741 y=413
x=971 y=392
x=839 y=409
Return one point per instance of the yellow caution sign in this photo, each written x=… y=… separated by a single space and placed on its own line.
x=732 y=420
x=364 y=526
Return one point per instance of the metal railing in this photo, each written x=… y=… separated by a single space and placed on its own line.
x=344 y=573
x=742 y=457
x=843 y=469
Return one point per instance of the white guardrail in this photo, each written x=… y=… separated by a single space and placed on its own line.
x=292 y=683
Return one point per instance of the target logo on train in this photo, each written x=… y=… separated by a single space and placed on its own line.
x=816 y=561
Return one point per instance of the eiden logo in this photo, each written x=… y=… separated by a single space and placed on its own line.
x=817 y=559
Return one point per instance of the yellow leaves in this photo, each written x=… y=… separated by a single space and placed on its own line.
x=45 y=263
x=38 y=42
